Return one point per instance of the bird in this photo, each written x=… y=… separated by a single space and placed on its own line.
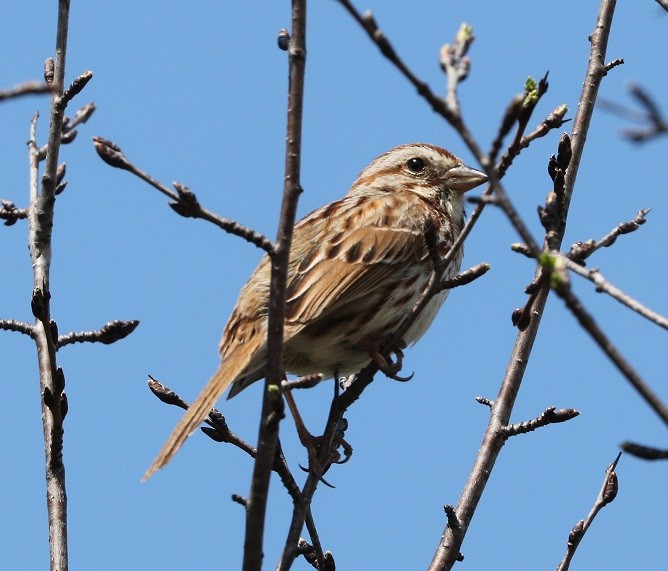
x=357 y=267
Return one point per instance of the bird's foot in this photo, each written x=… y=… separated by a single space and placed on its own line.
x=313 y=444
x=385 y=363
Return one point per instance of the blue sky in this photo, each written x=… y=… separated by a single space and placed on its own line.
x=197 y=94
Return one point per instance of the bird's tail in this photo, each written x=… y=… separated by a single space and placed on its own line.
x=197 y=412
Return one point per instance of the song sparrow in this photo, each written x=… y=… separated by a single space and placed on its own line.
x=357 y=267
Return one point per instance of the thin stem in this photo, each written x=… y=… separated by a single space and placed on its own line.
x=272 y=403
x=602 y=285
x=605 y=496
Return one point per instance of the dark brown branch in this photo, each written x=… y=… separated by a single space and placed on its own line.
x=644 y=452
x=272 y=403
x=185 y=202
x=605 y=496
x=376 y=35
x=75 y=88
x=466 y=277
x=550 y=415
x=237 y=499
x=580 y=251
x=219 y=431
x=109 y=333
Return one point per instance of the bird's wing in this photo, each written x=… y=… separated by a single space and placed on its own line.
x=346 y=264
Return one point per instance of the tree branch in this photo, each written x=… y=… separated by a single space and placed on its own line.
x=605 y=496
x=449 y=546
x=185 y=202
x=272 y=402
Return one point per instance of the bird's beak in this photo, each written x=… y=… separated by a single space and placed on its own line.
x=462 y=178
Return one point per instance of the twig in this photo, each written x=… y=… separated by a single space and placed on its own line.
x=466 y=277
x=306 y=382
x=219 y=431
x=456 y=64
x=237 y=499
x=10 y=214
x=377 y=37
x=451 y=114
x=604 y=286
x=17 y=326
x=605 y=496
x=580 y=251
x=272 y=403
x=550 y=415
x=185 y=202
x=109 y=333
x=520 y=110
x=26 y=88
x=644 y=452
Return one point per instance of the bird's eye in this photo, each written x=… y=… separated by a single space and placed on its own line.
x=415 y=165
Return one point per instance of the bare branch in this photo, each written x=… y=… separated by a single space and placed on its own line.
x=644 y=452
x=272 y=403
x=219 y=431
x=185 y=202
x=26 y=88
x=466 y=277
x=604 y=286
x=307 y=382
x=368 y=23
x=550 y=415
x=456 y=64
x=10 y=214
x=449 y=544
x=17 y=326
x=605 y=496
x=76 y=87
x=580 y=251
x=485 y=401
x=236 y=498
x=109 y=333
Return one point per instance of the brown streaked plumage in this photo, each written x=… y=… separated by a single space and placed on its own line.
x=357 y=267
